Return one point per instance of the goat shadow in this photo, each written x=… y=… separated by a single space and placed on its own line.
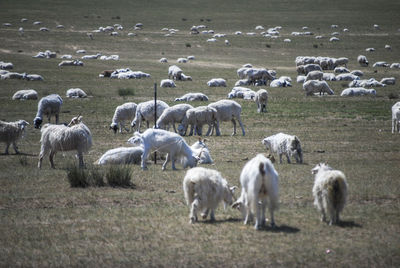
x=21 y=154
x=281 y=229
x=348 y=224
x=220 y=221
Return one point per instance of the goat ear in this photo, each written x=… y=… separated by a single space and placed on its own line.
x=204 y=140
x=233 y=188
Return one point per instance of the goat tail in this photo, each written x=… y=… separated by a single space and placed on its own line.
x=338 y=193
x=188 y=189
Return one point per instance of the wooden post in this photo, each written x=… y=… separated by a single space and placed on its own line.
x=155 y=116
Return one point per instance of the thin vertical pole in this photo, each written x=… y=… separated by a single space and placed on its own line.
x=155 y=116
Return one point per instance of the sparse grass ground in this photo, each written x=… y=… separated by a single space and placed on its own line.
x=45 y=222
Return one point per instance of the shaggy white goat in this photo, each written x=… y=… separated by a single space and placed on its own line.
x=167 y=83
x=284 y=144
x=388 y=81
x=164 y=142
x=25 y=94
x=193 y=97
x=11 y=132
x=75 y=93
x=49 y=105
x=175 y=72
x=227 y=110
x=145 y=112
x=358 y=91
x=261 y=100
x=242 y=92
x=315 y=86
x=362 y=60
x=75 y=136
x=396 y=117
x=201 y=149
x=172 y=115
x=280 y=82
x=204 y=189
x=314 y=75
x=124 y=112
x=121 y=156
x=197 y=117
x=329 y=191
x=259 y=181
x=217 y=82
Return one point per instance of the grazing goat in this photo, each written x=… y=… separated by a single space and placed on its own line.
x=259 y=181
x=204 y=189
x=11 y=132
x=75 y=136
x=227 y=110
x=164 y=142
x=261 y=100
x=126 y=111
x=329 y=191
x=284 y=144
x=49 y=105
x=396 y=117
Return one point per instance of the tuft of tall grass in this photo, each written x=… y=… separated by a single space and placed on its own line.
x=126 y=92
x=79 y=177
x=119 y=176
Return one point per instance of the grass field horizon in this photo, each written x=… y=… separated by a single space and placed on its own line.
x=46 y=222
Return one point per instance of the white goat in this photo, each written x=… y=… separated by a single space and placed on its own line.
x=201 y=149
x=315 y=86
x=75 y=93
x=197 y=117
x=11 y=132
x=75 y=136
x=261 y=100
x=358 y=91
x=362 y=60
x=193 y=97
x=121 y=156
x=70 y=63
x=227 y=110
x=284 y=144
x=329 y=191
x=217 y=82
x=167 y=83
x=124 y=112
x=175 y=72
x=164 y=142
x=49 y=105
x=259 y=181
x=388 y=81
x=25 y=94
x=242 y=92
x=204 y=189
x=172 y=115
x=396 y=117
x=145 y=112
x=314 y=75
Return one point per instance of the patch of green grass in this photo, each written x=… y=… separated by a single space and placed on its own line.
x=126 y=92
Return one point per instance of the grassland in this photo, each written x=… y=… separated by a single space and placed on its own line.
x=45 y=222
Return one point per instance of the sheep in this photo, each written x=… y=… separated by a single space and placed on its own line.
x=145 y=112
x=11 y=132
x=396 y=117
x=259 y=76
x=329 y=192
x=341 y=61
x=280 y=82
x=197 y=117
x=128 y=74
x=315 y=86
x=163 y=60
x=358 y=73
x=54 y=138
x=121 y=156
x=227 y=110
x=33 y=77
x=75 y=93
x=164 y=142
x=340 y=70
x=328 y=77
x=12 y=75
x=6 y=65
x=372 y=82
x=172 y=115
x=347 y=77
x=395 y=65
x=381 y=64
x=25 y=94
x=358 y=91
x=175 y=72
x=182 y=60
x=305 y=69
x=217 y=82
x=123 y=112
x=201 y=149
x=242 y=82
x=388 y=80
x=167 y=83
x=241 y=92
x=70 y=63
x=241 y=72
x=185 y=77
x=49 y=105
x=362 y=60
x=204 y=189
x=261 y=100
x=259 y=181
x=301 y=79
x=284 y=144
x=193 y=97
x=91 y=57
